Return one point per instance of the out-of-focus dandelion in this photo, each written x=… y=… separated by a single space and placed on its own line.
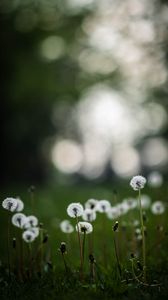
x=35 y=230
x=28 y=236
x=66 y=226
x=20 y=205
x=19 y=220
x=89 y=215
x=10 y=204
x=113 y=213
x=103 y=206
x=75 y=210
x=130 y=202
x=91 y=203
x=158 y=208
x=145 y=201
x=155 y=179
x=138 y=183
x=32 y=221
x=122 y=208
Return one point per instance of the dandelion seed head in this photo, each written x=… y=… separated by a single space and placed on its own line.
x=20 y=205
x=75 y=210
x=91 y=203
x=9 y=204
x=138 y=182
x=145 y=201
x=19 y=220
x=123 y=208
x=35 y=230
x=89 y=215
x=158 y=208
x=28 y=236
x=84 y=227
x=103 y=206
x=113 y=213
x=66 y=227
x=32 y=221
x=130 y=202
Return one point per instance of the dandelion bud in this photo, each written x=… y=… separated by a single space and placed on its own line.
x=91 y=258
x=14 y=243
x=40 y=225
x=49 y=263
x=139 y=266
x=31 y=189
x=115 y=227
x=144 y=216
x=45 y=239
x=63 y=247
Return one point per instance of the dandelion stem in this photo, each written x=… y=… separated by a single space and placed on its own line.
x=117 y=255
x=104 y=239
x=41 y=252
x=30 y=265
x=83 y=246
x=63 y=257
x=80 y=249
x=8 y=245
x=143 y=238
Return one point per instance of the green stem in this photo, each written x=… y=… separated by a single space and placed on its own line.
x=117 y=255
x=63 y=257
x=30 y=265
x=8 y=245
x=83 y=246
x=41 y=252
x=143 y=237
x=80 y=249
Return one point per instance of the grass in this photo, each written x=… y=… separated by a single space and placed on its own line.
x=57 y=283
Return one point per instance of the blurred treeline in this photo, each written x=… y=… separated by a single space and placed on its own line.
x=30 y=86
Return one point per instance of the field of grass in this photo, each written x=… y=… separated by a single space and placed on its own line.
x=46 y=275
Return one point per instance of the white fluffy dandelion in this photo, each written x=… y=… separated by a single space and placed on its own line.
x=10 y=204
x=35 y=230
x=28 y=236
x=158 y=208
x=145 y=201
x=113 y=213
x=155 y=179
x=91 y=203
x=103 y=206
x=66 y=227
x=84 y=227
x=123 y=208
x=138 y=182
x=75 y=210
x=89 y=215
x=19 y=220
x=20 y=205
x=32 y=221
x=131 y=203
